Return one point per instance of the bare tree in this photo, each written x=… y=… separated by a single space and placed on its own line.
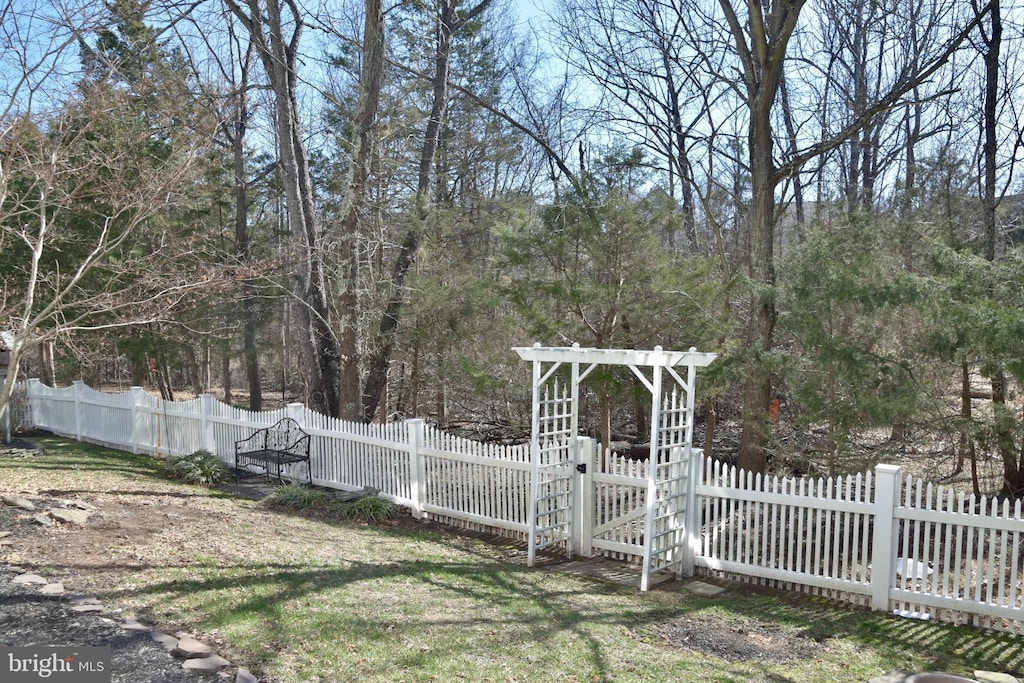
x=451 y=18
x=761 y=34
x=639 y=54
x=83 y=179
x=276 y=29
x=370 y=83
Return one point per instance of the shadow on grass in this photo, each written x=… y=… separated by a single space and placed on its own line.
x=65 y=456
x=921 y=645
x=293 y=603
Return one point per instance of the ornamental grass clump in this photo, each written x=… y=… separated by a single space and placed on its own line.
x=369 y=508
x=303 y=498
x=201 y=467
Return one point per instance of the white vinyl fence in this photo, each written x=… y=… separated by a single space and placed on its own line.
x=879 y=539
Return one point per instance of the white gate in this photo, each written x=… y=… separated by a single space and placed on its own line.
x=651 y=517
x=618 y=508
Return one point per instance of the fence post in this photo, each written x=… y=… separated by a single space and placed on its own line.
x=205 y=410
x=35 y=403
x=416 y=431
x=137 y=395
x=691 y=516
x=583 y=512
x=296 y=411
x=76 y=391
x=883 y=546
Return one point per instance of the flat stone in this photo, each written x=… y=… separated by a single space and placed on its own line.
x=6 y=541
x=87 y=608
x=52 y=589
x=79 y=505
x=705 y=589
x=243 y=676
x=132 y=625
x=84 y=600
x=995 y=677
x=18 y=502
x=894 y=677
x=29 y=578
x=5 y=534
x=190 y=648
x=169 y=642
x=77 y=517
x=207 y=664
x=44 y=520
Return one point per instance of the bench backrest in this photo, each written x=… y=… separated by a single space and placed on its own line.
x=287 y=435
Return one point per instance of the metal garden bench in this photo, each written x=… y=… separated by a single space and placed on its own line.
x=274 y=450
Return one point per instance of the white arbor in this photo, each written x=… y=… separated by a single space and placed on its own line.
x=561 y=511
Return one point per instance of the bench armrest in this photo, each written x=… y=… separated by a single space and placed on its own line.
x=255 y=442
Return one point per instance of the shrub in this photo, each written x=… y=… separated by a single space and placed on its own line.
x=370 y=509
x=298 y=497
x=201 y=467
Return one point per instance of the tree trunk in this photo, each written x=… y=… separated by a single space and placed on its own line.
x=319 y=349
x=250 y=353
x=770 y=26
x=355 y=200
x=448 y=24
x=757 y=389
x=225 y=374
x=47 y=368
x=194 y=374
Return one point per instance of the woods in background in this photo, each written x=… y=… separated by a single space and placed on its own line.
x=366 y=205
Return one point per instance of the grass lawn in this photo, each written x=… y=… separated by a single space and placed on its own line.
x=301 y=599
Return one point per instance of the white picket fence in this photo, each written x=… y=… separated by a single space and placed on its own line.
x=457 y=481
x=879 y=539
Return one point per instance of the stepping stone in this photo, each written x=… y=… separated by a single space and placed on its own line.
x=894 y=677
x=994 y=677
x=77 y=517
x=44 y=520
x=132 y=625
x=243 y=676
x=87 y=608
x=705 y=589
x=169 y=642
x=83 y=600
x=52 y=589
x=18 y=502
x=78 y=504
x=208 y=664
x=190 y=648
x=29 y=579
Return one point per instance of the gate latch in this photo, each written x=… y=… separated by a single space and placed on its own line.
x=582 y=468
